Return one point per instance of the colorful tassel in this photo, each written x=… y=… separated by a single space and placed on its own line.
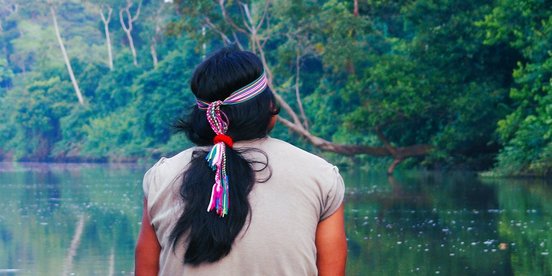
x=219 y=194
x=220 y=200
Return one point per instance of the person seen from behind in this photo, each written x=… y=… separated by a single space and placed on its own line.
x=239 y=202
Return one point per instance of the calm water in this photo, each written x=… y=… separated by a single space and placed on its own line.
x=83 y=220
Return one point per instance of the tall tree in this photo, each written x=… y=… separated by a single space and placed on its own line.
x=64 y=53
x=156 y=17
x=128 y=18
x=106 y=8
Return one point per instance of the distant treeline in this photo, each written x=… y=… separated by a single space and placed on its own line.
x=438 y=84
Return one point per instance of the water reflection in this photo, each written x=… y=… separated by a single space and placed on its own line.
x=452 y=224
x=83 y=219
x=63 y=219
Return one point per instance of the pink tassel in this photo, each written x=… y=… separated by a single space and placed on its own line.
x=216 y=195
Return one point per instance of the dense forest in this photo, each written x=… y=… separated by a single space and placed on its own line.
x=437 y=84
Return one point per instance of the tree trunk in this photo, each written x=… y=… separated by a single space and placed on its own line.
x=204 y=45
x=106 y=21
x=355 y=9
x=66 y=58
x=153 y=52
x=132 y=49
x=409 y=151
x=157 y=29
x=127 y=27
x=393 y=165
x=297 y=88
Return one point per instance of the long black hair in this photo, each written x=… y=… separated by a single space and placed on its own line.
x=208 y=236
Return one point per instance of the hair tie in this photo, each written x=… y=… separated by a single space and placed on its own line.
x=224 y=139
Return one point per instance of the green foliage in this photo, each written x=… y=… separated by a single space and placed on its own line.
x=6 y=76
x=32 y=116
x=417 y=71
x=129 y=110
x=470 y=78
x=526 y=133
x=115 y=136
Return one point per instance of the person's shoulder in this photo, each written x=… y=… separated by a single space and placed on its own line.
x=170 y=166
x=306 y=170
x=180 y=158
x=295 y=155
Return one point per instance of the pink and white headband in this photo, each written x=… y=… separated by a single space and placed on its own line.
x=241 y=95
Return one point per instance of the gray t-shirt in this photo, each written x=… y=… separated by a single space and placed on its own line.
x=303 y=190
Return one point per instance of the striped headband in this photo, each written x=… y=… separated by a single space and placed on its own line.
x=241 y=95
x=216 y=157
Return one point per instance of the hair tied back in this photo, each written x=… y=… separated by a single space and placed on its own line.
x=224 y=139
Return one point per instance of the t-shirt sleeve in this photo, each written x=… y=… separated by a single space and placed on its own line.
x=151 y=179
x=334 y=195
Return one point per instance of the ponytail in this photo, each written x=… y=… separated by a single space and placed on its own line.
x=209 y=236
x=233 y=104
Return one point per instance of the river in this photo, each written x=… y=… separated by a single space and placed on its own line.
x=83 y=219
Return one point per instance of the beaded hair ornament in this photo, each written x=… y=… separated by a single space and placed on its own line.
x=217 y=155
